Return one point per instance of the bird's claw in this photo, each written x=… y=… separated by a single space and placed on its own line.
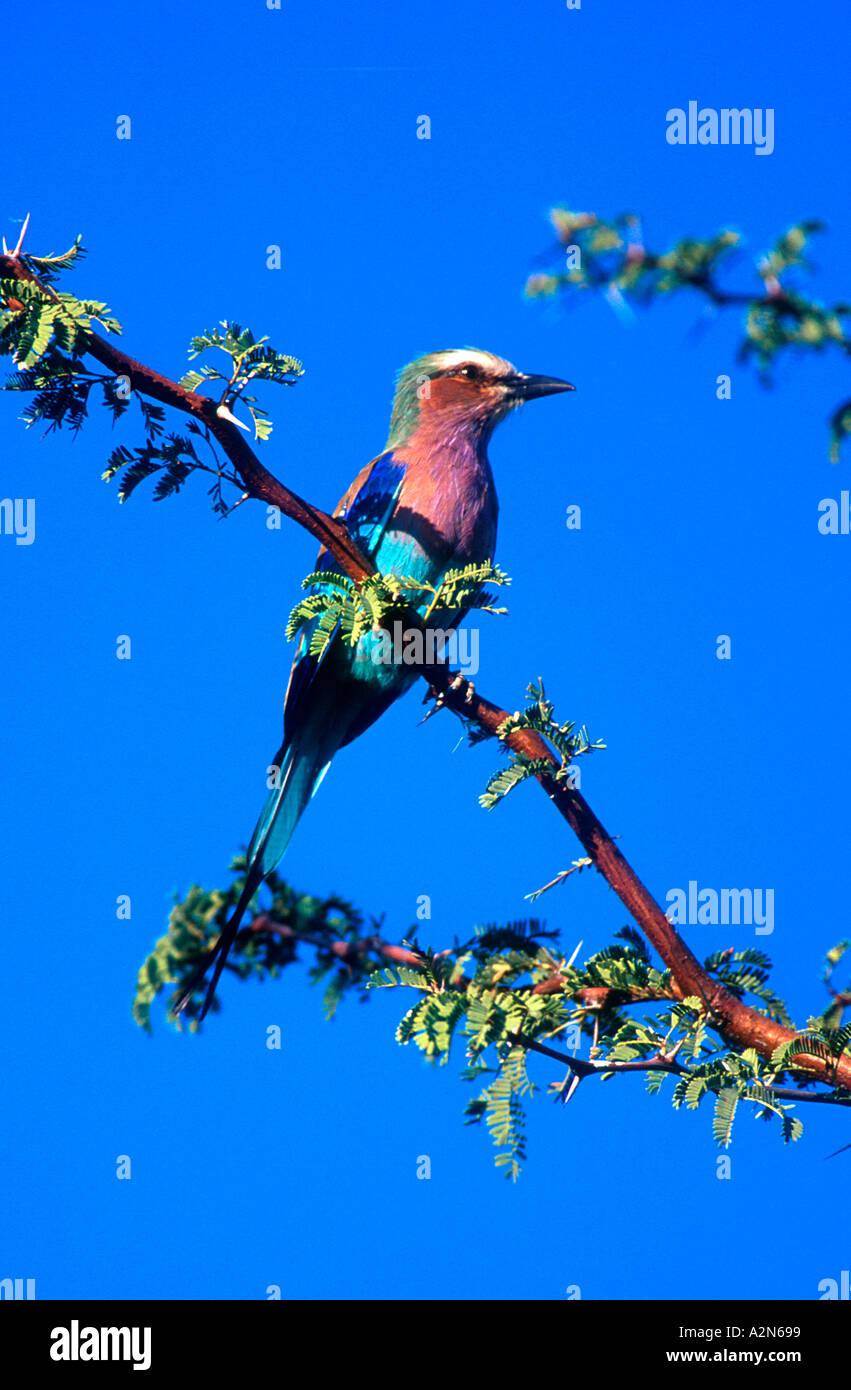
x=458 y=684
x=437 y=696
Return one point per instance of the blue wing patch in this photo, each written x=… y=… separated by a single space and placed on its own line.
x=366 y=516
x=369 y=511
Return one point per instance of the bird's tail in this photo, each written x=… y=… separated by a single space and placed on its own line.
x=300 y=770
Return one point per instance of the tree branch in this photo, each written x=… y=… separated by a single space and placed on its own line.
x=349 y=952
x=739 y=1024
x=661 y=1062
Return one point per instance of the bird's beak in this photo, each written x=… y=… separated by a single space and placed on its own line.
x=527 y=388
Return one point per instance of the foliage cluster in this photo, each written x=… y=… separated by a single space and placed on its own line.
x=610 y=257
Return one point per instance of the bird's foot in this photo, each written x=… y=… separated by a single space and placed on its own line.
x=457 y=685
x=461 y=684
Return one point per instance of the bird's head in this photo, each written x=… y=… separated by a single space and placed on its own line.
x=460 y=391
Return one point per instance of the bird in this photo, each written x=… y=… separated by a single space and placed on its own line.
x=426 y=504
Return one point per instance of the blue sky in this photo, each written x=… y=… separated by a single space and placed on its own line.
x=297 y=1168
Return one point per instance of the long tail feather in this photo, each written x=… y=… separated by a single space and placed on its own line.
x=220 y=951
x=299 y=775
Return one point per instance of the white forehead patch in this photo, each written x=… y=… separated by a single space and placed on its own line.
x=457 y=356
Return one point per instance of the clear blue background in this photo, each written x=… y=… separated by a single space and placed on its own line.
x=250 y=127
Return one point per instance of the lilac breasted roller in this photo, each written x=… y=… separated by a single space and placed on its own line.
x=425 y=505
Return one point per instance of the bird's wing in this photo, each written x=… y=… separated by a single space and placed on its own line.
x=367 y=506
x=366 y=509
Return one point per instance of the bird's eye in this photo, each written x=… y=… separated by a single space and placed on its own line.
x=470 y=371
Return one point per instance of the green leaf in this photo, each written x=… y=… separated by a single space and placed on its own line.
x=726 y=1105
